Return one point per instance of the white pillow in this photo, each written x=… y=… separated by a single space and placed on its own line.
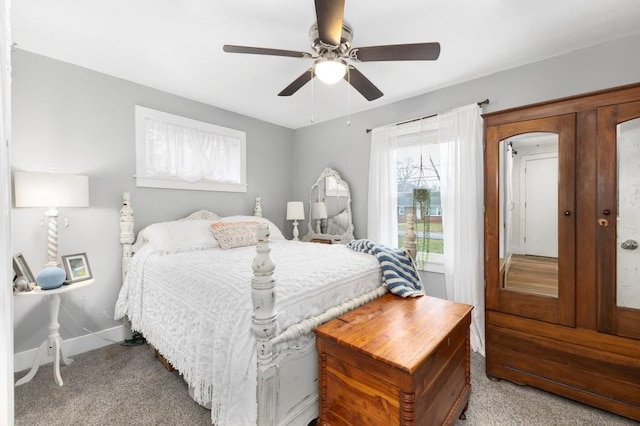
x=338 y=224
x=275 y=233
x=181 y=235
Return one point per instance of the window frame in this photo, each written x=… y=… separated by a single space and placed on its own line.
x=428 y=126
x=143 y=179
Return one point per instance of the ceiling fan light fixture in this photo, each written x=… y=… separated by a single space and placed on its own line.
x=331 y=43
x=330 y=71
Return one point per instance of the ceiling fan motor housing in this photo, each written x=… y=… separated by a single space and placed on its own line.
x=323 y=49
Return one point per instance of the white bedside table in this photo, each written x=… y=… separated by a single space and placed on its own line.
x=53 y=340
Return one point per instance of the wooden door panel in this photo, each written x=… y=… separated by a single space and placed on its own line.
x=560 y=309
x=611 y=204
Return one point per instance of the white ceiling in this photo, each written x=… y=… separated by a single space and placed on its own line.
x=176 y=45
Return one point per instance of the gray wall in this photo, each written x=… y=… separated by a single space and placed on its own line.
x=346 y=148
x=82 y=122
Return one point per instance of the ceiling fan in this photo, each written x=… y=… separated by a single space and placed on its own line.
x=331 y=41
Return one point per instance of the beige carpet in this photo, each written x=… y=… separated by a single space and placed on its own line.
x=119 y=385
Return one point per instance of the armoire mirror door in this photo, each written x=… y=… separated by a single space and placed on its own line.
x=618 y=217
x=530 y=208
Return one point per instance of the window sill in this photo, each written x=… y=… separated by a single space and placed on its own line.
x=436 y=267
x=153 y=182
x=435 y=263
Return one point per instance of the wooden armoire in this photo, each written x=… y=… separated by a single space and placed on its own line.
x=562 y=263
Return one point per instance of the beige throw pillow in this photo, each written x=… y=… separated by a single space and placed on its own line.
x=235 y=234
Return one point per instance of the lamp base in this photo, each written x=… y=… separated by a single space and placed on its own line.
x=52 y=237
x=295 y=231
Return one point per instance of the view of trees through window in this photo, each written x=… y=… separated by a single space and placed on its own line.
x=418 y=168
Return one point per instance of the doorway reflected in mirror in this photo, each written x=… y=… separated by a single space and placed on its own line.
x=529 y=213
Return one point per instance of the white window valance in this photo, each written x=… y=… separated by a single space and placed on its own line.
x=181 y=153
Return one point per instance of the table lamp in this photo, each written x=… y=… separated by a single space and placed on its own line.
x=295 y=212
x=51 y=190
x=318 y=212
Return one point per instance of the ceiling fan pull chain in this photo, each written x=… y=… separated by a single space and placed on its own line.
x=311 y=71
x=348 y=97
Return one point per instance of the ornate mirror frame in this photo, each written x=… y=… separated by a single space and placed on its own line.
x=330 y=209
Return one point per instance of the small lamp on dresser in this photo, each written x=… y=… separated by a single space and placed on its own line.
x=295 y=212
x=318 y=212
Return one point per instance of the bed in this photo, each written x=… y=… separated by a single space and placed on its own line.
x=239 y=330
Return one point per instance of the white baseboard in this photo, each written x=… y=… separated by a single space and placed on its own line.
x=70 y=347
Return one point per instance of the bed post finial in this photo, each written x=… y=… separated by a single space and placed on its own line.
x=410 y=236
x=257 y=210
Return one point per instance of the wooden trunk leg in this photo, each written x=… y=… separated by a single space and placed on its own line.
x=463 y=415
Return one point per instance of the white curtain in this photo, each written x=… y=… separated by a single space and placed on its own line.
x=460 y=136
x=191 y=155
x=382 y=216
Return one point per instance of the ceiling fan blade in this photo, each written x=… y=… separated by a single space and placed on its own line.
x=398 y=52
x=329 y=15
x=298 y=83
x=362 y=84
x=264 y=51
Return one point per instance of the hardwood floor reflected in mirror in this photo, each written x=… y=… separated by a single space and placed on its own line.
x=533 y=275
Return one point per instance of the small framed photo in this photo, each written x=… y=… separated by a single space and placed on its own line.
x=77 y=267
x=21 y=268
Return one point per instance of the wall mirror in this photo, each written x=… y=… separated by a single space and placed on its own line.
x=330 y=209
x=528 y=213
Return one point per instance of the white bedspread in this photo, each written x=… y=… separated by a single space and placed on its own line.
x=195 y=308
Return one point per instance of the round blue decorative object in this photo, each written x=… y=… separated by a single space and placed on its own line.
x=51 y=277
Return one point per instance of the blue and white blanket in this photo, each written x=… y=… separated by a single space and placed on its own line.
x=399 y=272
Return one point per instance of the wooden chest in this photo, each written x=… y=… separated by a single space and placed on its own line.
x=395 y=361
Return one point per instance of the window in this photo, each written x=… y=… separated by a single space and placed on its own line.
x=418 y=171
x=450 y=146
x=181 y=153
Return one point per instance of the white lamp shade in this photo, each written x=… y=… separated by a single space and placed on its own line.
x=50 y=190
x=330 y=71
x=295 y=210
x=319 y=211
